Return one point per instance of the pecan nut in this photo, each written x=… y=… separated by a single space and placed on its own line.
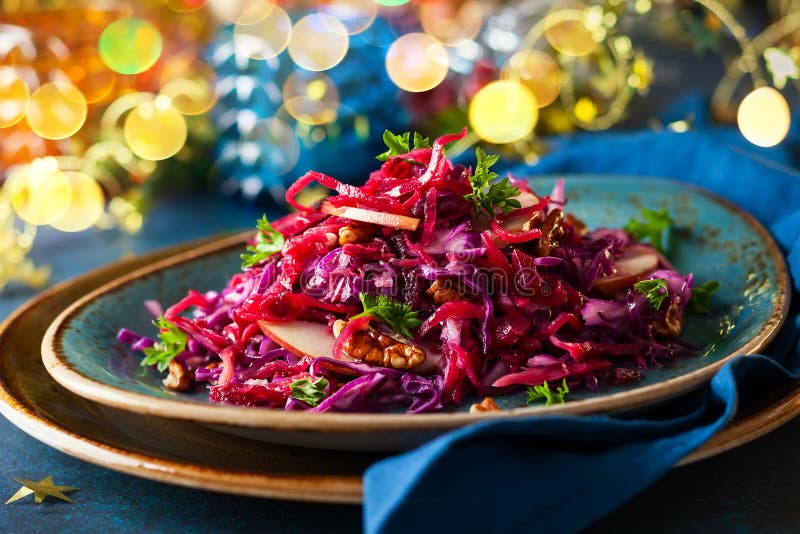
x=373 y=347
x=178 y=378
x=486 y=405
x=672 y=323
x=445 y=290
x=552 y=232
x=355 y=232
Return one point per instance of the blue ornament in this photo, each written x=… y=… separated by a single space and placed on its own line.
x=261 y=149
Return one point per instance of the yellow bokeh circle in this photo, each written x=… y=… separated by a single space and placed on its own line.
x=318 y=42
x=538 y=72
x=311 y=98
x=40 y=192
x=233 y=10
x=356 y=15
x=417 y=62
x=566 y=28
x=56 y=110
x=262 y=31
x=86 y=204
x=14 y=95
x=764 y=117
x=503 y=111
x=451 y=23
x=155 y=130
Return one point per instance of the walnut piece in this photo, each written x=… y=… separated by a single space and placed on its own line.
x=178 y=378
x=672 y=323
x=445 y=291
x=577 y=224
x=373 y=347
x=486 y=405
x=355 y=232
x=552 y=231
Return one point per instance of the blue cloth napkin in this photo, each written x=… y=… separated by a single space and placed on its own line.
x=561 y=473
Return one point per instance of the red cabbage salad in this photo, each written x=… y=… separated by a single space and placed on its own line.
x=433 y=284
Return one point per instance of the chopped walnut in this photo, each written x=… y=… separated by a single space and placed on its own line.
x=355 y=232
x=445 y=291
x=577 y=224
x=371 y=346
x=178 y=378
x=552 y=231
x=486 y=405
x=338 y=326
x=672 y=323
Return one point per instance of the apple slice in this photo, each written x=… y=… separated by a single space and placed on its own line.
x=527 y=199
x=302 y=338
x=628 y=269
x=374 y=217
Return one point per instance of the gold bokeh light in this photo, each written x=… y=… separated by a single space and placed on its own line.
x=503 y=111
x=318 y=42
x=417 y=62
x=764 y=117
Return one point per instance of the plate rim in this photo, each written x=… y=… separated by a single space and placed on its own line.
x=343 y=489
x=59 y=368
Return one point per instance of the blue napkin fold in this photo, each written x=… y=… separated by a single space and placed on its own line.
x=564 y=472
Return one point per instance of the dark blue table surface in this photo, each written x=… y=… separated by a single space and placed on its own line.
x=752 y=488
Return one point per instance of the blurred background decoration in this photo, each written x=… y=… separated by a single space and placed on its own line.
x=106 y=105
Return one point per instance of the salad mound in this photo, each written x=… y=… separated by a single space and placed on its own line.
x=430 y=285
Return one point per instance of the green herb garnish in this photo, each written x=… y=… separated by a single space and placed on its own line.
x=401 y=144
x=701 y=295
x=171 y=342
x=487 y=193
x=655 y=290
x=309 y=392
x=396 y=315
x=652 y=228
x=268 y=242
x=537 y=393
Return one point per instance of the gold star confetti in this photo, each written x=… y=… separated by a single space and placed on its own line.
x=43 y=488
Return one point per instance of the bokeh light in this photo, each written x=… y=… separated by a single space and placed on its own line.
x=155 y=130
x=318 y=42
x=86 y=203
x=416 y=62
x=570 y=37
x=764 y=117
x=538 y=72
x=185 y=6
x=356 y=15
x=311 y=98
x=451 y=23
x=503 y=111
x=191 y=86
x=262 y=31
x=87 y=71
x=40 y=192
x=272 y=143
x=56 y=110
x=232 y=10
x=392 y=3
x=14 y=95
x=130 y=46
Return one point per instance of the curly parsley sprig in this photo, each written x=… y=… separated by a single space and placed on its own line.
x=655 y=290
x=309 y=392
x=653 y=227
x=537 y=393
x=488 y=193
x=268 y=242
x=171 y=342
x=396 y=315
x=401 y=144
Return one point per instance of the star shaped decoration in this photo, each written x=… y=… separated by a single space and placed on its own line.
x=43 y=488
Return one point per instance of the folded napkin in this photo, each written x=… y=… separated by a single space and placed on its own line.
x=563 y=472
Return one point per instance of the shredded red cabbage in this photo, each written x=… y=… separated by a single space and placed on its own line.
x=503 y=301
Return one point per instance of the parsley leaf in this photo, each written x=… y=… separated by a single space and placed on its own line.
x=655 y=290
x=307 y=391
x=487 y=193
x=701 y=295
x=396 y=315
x=401 y=144
x=171 y=342
x=268 y=242
x=537 y=393
x=652 y=228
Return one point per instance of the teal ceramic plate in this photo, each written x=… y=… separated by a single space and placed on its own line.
x=718 y=241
